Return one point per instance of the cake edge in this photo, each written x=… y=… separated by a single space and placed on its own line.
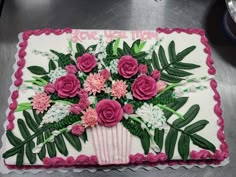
x=200 y=157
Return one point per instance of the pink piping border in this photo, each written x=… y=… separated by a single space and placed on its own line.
x=161 y=158
x=21 y=63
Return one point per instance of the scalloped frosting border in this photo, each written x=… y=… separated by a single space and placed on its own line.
x=151 y=159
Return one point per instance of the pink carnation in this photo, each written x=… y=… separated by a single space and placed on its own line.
x=94 y=83
x=161 y=85
x=75 y=109
x=41 y=102
x=89 y=117
x=118 y=89
x=77 y=129
x=105 y=73
x=128 y=108
x=156 y=74
x=143 y=69
x=71 y=69
x=49 y=88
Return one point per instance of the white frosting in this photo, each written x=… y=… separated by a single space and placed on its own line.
x=60 y=43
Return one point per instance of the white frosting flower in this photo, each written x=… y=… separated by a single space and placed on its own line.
x=152 y=116
x=113 y=66
x=55 y=74
x=129 y=96
x=91 y=99
x=37 y=148
x=57 y=112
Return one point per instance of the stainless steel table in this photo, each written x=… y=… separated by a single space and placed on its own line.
x=19 y=15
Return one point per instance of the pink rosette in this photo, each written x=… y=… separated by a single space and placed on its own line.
x=49 y=88
x=156 y=74
x=77 y=129
x=161 y=85
x=71 y=69
x=127 y=66
x=143 y=69
x=105 y=73
x=128 y=108
x=109 y=112
x=67 y=86
x=144 y=88
x=86 y=62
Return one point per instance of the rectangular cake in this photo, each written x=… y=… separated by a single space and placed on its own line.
x=83 y=98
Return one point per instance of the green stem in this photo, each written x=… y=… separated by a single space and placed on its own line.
x=178 y=129
x=167 y=88
x=171 y=110
x=62 y=101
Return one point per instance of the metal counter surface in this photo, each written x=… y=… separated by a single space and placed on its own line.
x=21 y=15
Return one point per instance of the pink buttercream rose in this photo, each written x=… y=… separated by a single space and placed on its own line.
x=71 y=69
x=109 y=112
x=143 y=69
x=128 y=108
x=144 y=88
x=67 y=86
x=161 y=85
x=105 y=73
x=49 y=88
x=86 y=62
x=156 y=74
x=77 y=129
x=127 y=66
x=75 y=109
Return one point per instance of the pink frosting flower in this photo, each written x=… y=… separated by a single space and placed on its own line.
x=127 y=66
x=84 y=103
x=71 y=69
x=41 y=102
x=144 y=87
x=67 y=86
x=109 y=112
x=143 y=69
x=118 y=89
x=161 y=85
x=77 y=129
x=128 y=108
x=94 y=83
x=105 y=73
x=156 y=74
x=83 y=93
x=75 y=109
x=86 y=62
x=89 y=117
x=49 y=88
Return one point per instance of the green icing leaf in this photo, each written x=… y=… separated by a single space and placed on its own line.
x=60 y=144
x=186 y=66
x=145 y=141
x=80 y=50
x=30 y=122
x=12 y=138
x=51 y=65
x=109 y=48
x=175 y=106
x=42 y=153
x=171 y=50
x=38 y=70
x=115 y=46
x=63 y=60
x=140 y=55
x=50 y=146
x=177 y=72
x=20 y=157
x=23 y=106
x=202 y=142
x=73 y=140
x=170 y=142
x=169 y=78
x=195 y=127
x=188 y=117
x=135 y=45
x=93 y=47
x=155 y=61
x=84 y=137
x=162 y=57
x=183 y=146
x=37 y=117
x=120 y=52
x=133 y=127
x=23 y=129
x=159 y=137
x=180 y=56
x=28 y=151
x=127 y=50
